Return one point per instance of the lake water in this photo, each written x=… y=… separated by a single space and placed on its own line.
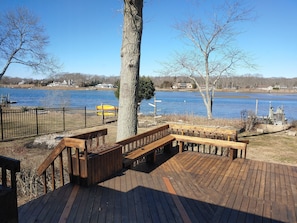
x=226 y=104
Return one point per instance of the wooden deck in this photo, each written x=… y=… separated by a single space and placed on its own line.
x=188 y=187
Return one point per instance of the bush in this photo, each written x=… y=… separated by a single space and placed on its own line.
x=24 y=109
x=249 y=120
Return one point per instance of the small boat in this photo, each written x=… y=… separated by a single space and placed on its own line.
x=107 y=110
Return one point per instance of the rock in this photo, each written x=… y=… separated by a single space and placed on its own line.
x=260 y=130
x=49 y=141
x=291 y=133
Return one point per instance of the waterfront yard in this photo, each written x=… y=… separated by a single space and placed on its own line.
x=276 y=147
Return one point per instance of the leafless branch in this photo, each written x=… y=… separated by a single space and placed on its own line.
x=23 y=41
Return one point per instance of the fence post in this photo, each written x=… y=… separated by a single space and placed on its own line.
x=2 y=134
x=36 y=113
x=85 y=116
x=64 y=119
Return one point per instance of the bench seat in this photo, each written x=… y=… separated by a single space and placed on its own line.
x=234 y=146
x=148 y=150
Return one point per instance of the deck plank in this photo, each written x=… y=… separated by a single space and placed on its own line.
x=96 y=207
x=210 y=189
x=59 y=198
x=141 y=208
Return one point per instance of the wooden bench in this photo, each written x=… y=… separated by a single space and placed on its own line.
x=231 y=145
x=8 y=190
x=149 y=151
x=145 y=145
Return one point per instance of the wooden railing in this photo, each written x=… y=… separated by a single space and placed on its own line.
x=91 y=161
x=139 y=140
x=8 y=190
x=214 y=146
x=78 y=148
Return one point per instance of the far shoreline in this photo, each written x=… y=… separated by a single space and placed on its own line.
x=263 y=91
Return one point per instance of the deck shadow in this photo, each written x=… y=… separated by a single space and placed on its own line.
x=140 y=204
x=160 y=159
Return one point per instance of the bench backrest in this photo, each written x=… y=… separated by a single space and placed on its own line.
x=143 y=139
x=204 y=132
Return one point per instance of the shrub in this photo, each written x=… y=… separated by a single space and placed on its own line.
x=249 y=119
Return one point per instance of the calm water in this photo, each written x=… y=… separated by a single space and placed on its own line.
x=226 y=104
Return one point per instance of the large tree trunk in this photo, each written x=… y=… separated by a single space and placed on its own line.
x=130 y=55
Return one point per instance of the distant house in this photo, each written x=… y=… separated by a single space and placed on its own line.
x=104 y=86
x=22 y=82
x=278 y=87
x=270 y=88
x=182 y=85
x=64 y=83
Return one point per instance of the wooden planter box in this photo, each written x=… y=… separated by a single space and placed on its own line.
x=96 y=167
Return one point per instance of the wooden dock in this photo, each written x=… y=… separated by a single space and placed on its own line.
x=187 y=187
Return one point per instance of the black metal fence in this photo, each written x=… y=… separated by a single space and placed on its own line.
x=23 y=122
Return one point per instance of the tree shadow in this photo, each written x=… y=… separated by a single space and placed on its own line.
x=161 y=158
x=140 y=204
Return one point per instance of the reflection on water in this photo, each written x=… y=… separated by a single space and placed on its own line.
x=226 y=104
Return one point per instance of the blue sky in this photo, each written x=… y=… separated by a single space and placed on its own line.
x=86 y=35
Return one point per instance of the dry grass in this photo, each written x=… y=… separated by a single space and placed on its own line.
x=273 y=147
x=197 y=120
x=22 y=122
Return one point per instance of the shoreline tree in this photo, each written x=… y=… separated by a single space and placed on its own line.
x=130 y=64
x=23 y=41
x=212 y=49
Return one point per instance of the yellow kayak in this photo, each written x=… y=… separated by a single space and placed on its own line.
x=107 y=110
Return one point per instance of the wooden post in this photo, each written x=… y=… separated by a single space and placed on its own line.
x=61 y=169
x=233 y=153
x=44 y=182
x=70 y=165
x=181 y=146
x=53 y=176
x=77 y=164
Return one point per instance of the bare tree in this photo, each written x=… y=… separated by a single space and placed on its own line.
x=130 y=56
x=23 y=41
x=212 y=52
